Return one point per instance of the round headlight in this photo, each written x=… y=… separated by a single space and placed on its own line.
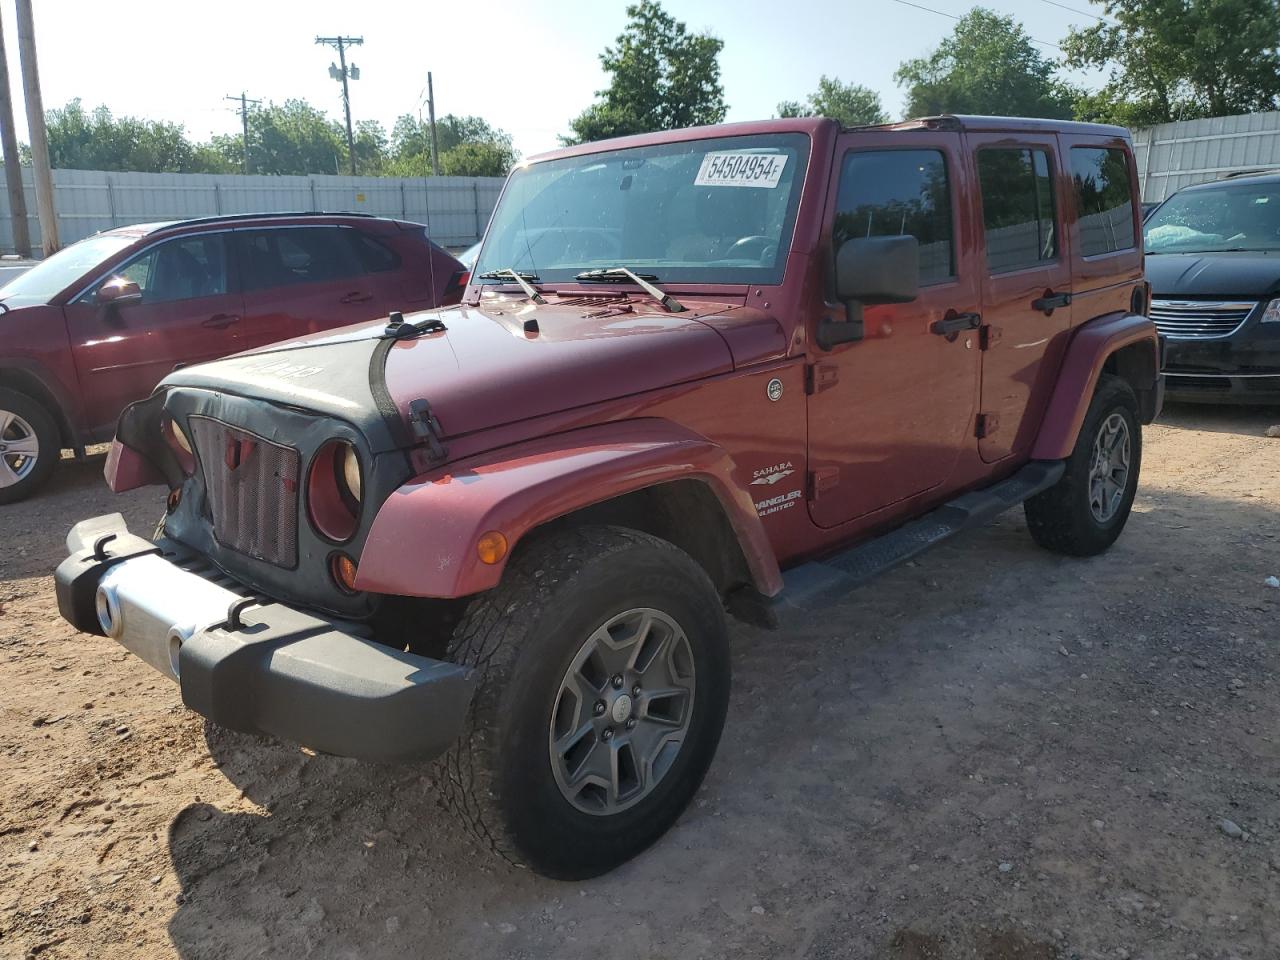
x=351 y=471
x=180 y=438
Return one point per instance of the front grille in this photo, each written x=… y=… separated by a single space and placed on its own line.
x=1200 y=319
x=252 y=487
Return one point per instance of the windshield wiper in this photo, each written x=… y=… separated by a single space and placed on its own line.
x=622 y=274
x=523 y=279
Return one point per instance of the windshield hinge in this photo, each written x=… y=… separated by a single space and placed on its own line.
x=819 y=377
x=427 y=428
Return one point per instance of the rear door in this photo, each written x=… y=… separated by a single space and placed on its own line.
x=1026 y=287
x=191 y=311
x=302 y=279
x=890 y=415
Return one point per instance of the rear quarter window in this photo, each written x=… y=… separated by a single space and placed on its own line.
x=1104 y=200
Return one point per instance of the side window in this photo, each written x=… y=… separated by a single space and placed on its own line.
x=291 y=255
x=373 y=256
x=1017 y=208
x=180 y=269
x=898 y=193
x=1104 y=199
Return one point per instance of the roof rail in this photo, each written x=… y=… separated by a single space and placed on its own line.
x=1260 y=172
x=223 y=218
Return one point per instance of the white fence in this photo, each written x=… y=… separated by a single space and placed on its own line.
x=1175 y=155
x=456 y=208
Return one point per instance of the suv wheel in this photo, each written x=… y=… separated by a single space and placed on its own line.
x=29 y=445
x=1084 y=512
x=603 y=682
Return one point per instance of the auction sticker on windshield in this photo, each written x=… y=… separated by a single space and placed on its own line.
x=741 y=170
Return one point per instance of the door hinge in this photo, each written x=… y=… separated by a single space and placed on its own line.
x=987 y=424
x=824 y=478
x=819 y=377
x=987 y=335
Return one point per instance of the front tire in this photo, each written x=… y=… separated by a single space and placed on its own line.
x=29 y=446
x=603 y=665
x=1083 y=513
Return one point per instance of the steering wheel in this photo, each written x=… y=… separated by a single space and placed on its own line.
x=739 y=248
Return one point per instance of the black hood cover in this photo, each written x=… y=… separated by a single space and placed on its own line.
x=1214 y=274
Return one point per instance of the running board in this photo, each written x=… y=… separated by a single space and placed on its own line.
x=824 y=580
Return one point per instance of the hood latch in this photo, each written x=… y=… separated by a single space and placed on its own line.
x=427 y=428
x=400 y=329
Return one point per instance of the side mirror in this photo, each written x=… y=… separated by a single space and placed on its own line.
x=871 y=270
x=117 y=291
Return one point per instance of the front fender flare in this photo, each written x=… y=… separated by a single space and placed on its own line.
x=1083 y=364
x=423 y=540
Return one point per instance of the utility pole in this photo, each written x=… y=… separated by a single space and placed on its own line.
x=342 y=72
x=12 y=161
x=431 y=114
x=244 y=122
x=35 y=123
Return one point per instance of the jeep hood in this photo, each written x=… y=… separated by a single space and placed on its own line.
x=504 y=361
x=1238 y=274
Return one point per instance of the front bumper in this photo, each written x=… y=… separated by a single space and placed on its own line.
x=254 y=665
x=1241 y=368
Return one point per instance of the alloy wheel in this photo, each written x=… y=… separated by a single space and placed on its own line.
x=622 y=711
x=1109 y=467
x=19 y=448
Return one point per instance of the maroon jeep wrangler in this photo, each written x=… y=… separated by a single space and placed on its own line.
x=738 y=368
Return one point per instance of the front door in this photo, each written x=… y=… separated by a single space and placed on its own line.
x=890 y=415
x=1026 y=286
x=190 y=312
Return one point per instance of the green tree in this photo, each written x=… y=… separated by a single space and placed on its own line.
x=662 y=77
x=371 y=148
x=469 y=147
x=989 y=65
x=294 y=137
x=1180 y=59
x=851 y=103
x=96 y=140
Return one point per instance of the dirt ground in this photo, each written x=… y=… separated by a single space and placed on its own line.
x=992 y=753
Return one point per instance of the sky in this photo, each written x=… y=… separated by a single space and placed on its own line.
x=526 y=66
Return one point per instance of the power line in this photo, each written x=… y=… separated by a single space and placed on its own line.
x=952 y=16
x=1083 y=13
x=342 y=73
x=244 y=102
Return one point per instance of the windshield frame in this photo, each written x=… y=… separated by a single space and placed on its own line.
x=799 y=139
x=1201 y=244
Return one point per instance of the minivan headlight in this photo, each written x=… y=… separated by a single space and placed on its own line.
x=1272 y=313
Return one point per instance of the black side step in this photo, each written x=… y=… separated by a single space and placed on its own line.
x=826 y=579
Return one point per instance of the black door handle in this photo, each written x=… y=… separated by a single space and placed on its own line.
x=220 y=321
x=954 y=322
x=1051 y=301
x=357 y=296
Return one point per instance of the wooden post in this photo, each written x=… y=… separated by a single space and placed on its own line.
x=35 y=123
x=12 y=162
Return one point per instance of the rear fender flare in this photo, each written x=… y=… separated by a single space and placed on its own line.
x=1086 y=358
x=423 y=538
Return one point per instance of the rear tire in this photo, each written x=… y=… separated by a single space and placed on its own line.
x=30 y=446
x=536 y=777
x=1083 y=513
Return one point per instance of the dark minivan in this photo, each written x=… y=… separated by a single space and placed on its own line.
x=1213 y=261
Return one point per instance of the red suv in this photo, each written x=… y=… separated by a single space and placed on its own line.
x=96 y=326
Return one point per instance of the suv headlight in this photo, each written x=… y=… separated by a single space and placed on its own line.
x=1272 y=313
x=334 y=490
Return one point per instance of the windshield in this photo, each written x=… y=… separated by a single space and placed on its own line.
x=64 y=268
x=701 y=211
x=1229 y=217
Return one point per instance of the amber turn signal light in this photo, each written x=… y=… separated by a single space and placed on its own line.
x=343 y=570
x=491 y=547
